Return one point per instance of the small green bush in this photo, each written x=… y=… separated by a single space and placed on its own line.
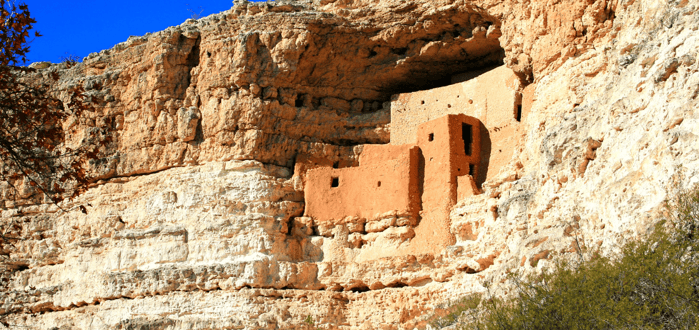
x=652 y=284
x=453 y=312
x=309 y=320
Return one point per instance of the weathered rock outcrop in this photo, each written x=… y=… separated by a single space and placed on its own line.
x=196 y=219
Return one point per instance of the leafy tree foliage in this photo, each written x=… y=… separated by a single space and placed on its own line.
x=33 y=157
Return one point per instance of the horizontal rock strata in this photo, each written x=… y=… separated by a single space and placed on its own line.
x=196 y=218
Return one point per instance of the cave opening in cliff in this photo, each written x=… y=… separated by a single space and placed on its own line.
x=397 y=284
x=425 y=73
x=455 y=46
x=359 y=288
x=362 y=75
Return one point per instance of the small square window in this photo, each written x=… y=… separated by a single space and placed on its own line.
x=335 y=182
x=430 y=137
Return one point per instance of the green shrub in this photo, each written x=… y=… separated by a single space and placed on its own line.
x=455 y=311
x=652 y=284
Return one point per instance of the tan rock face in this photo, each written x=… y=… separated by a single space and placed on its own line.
x=197 y=220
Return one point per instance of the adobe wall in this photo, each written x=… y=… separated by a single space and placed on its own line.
x=493 y=97
x=305 y=163
x=450 y=153
x=385 y=181
x=445 y=142
x=444 y=150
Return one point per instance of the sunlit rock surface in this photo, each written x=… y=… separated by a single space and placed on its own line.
x=197 y=219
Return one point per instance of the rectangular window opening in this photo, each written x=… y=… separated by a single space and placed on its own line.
x=430 y=137
x=471 y=170
x=518 y=113
x=335 y=183
x=467 y=136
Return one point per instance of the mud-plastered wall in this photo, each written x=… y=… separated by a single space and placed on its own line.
x=493 y=96
x=385 y=181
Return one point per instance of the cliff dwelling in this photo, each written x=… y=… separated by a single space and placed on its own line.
x=445 y=142
x=351 y=165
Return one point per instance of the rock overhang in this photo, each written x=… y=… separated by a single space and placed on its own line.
x=642 y=127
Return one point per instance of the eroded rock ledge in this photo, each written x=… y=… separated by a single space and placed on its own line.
x=197 y=219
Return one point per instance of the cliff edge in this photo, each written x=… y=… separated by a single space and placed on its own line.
x=582 y=120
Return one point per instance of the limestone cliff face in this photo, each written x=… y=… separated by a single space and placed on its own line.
x=196 y=221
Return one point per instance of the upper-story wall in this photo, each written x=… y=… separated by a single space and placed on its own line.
x=451 y=148
x=494 y=97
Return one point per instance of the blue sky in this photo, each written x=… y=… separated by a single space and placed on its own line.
x=79 y=28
